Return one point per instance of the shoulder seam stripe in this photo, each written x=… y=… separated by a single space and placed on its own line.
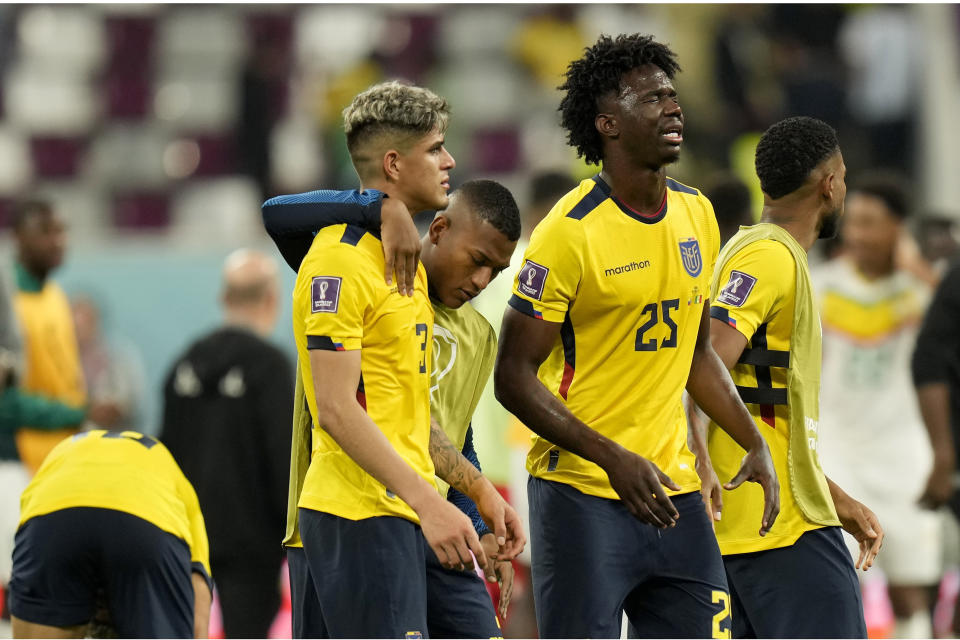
x=352 y=235
x=673 y=185
x=588 y=203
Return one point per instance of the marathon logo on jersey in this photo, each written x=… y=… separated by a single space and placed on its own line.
x=325 y=294
x=531 y=279
x=737 y=289
x=690 y=254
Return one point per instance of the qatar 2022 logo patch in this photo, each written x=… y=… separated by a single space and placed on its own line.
x=531 y=279
x=325 y=294
x=738 y=287
x=690 y=255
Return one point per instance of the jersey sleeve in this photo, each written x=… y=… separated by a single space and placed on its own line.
x=293 y=220
x=336 y=291
x=713 y=234
x=547 y=282
x=752 y=285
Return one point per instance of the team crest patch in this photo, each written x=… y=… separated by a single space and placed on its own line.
x=531 y=279
x=737 y=289
x=410 y=635
x=325 y=294
x=690 y=254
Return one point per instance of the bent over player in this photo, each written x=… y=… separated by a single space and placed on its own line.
x=110 y=512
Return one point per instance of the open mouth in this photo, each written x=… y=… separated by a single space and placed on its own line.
x=673 y=136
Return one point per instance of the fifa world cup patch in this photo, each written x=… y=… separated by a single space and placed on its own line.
x=325 y=294
x=531 y=279
x=737 y=289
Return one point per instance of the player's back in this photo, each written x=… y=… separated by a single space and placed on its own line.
x=123 y=471
x=629 y=290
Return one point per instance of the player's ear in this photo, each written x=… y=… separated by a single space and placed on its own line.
x=439 y=226
x=606 y=124
x=391 y=165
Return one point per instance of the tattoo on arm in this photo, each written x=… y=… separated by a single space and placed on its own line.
x=449 y=463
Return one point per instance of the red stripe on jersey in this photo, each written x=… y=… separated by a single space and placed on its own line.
x=567 y=379
x=767 y=415
x=362 y=399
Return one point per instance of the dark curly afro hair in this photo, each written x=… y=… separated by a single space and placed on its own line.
x=598 y=73
x=789 y=150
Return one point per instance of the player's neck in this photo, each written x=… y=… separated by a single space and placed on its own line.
x=390 y=189
x=641 y=189
x=795 y=220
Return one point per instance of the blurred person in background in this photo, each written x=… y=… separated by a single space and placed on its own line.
x=226 y=420
x=51 y=357
x=110 y=518
x=112 y=369
x=936 y=377
x=731 y=202
x=872 y=439
x=937 y=240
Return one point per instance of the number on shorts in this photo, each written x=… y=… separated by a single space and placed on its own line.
x=721 y=597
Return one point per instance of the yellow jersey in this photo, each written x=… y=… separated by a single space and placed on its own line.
x=757 y=298
x=341 y=303
x=52 y=359
x=123 y=471
x=629 y=290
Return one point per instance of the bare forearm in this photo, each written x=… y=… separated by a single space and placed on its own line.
x=350 y=426
x=934 y=401
x=696 y=432
x=711 y=386
x=450 y=464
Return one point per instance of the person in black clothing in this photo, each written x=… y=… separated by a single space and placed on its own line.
x=226 y=420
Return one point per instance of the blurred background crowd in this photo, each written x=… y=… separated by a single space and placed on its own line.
x=156 y=131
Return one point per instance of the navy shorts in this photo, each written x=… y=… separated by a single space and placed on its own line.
x=62 y=559
x=592 y=561
x=306 y=619
x=806 y=590
x=458 y=604
x=368 y=574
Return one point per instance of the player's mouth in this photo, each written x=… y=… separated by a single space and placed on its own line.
x=445 y=183
x=673 y=134
x=467 y=296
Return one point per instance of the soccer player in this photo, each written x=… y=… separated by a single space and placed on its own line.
x=468 y=244
x=873 y=442
x=799 y=579
x=611 y=308
x=110 y=511
x=369 y=501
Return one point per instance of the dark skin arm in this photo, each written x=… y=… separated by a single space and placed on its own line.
x=525 y=343
x=859 y=522
x=934 y=401
x=711 y=386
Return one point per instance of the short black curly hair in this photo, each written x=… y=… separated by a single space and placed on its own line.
x=789 y=150
x=492 y=202
x=598 y=73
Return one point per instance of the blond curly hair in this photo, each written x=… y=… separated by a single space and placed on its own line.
x=392 y=114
